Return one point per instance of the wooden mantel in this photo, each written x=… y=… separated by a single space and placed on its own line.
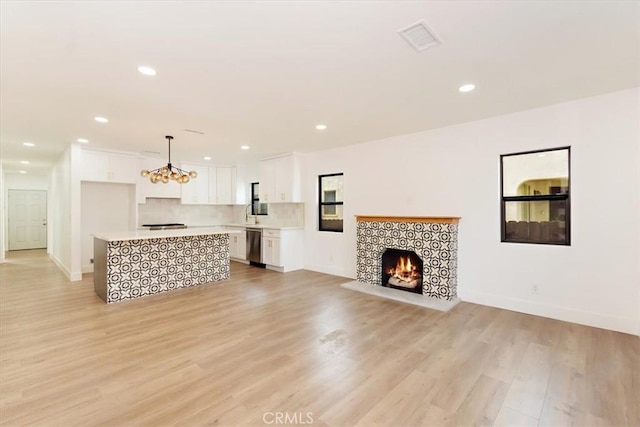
x=428 y=219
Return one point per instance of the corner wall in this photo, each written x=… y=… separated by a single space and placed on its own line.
x=455 y=171
x=104 y=207
x=64 y=214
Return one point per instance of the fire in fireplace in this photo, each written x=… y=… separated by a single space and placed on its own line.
x=402 y=270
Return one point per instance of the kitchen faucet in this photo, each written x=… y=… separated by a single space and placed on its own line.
x=246 y=213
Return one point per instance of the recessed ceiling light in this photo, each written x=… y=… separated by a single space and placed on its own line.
x=467 y=88
x=147 y=71
x=321 y=127
x=28 y=144
x=23 y=171
x=24 y=162
x=207 y=158
x=244 y=147
x=101 y=119
x=83 y=140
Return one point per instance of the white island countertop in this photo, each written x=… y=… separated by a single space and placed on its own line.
x=161 y=234
x=267 y=226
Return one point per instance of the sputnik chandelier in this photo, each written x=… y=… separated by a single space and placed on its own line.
x=169 y=172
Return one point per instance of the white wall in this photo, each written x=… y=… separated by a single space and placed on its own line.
x=104 y=207
x=454 y=171
x=64 y=213
x=29 y=181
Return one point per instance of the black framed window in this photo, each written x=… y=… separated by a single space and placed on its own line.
x=330 y=204
x=535 y=196
x=257 y=208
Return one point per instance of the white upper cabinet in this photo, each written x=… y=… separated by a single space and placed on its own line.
x=225 y=185
x=196 y=191
x=107 y=166
x=213 y=186
x=288 y=179
x=267 y=171
x=170 y=190
x=280 y=180
x=222 y=185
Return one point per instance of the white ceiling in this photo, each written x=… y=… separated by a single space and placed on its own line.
x=265 y=73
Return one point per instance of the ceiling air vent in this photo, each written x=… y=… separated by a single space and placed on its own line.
x=419 y=36
x=194 y=131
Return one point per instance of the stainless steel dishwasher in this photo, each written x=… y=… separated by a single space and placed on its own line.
x=254 y=245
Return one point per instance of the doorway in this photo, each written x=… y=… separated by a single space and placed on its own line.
x=27 y=219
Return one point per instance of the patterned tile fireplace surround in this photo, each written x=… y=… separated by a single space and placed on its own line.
x=433 y=239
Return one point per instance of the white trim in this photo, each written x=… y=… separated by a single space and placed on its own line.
x=72 y=276
x=620 y=324
x=328 y=269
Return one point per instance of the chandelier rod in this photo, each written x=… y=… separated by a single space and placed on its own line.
x=169 y=138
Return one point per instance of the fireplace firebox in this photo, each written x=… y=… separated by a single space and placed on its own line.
x=402 y=269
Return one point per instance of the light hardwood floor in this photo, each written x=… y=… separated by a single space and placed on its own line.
x=264 y=345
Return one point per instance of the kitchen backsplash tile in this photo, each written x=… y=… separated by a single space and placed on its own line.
x=158 y=211
x=282 y=214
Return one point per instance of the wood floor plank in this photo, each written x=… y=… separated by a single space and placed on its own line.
x=508 y=417
x=262 y=344
x=483 y=403
x=397 y=406
x=529 y=386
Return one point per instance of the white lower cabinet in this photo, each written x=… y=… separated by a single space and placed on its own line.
x=238 y=244
x=283 y=249
x=271 y=254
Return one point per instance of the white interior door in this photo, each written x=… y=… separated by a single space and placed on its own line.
x=27 y=219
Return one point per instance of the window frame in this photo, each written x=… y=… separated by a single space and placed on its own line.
x=535 y=198
x=321 y=204
x=256 y=197
x=335 y=210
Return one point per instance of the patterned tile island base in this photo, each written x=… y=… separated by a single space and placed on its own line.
x=433 y=239
x=126 y=269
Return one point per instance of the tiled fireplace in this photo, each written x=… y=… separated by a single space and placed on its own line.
x=425 y=250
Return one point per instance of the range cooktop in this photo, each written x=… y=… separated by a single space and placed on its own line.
x=164 y=226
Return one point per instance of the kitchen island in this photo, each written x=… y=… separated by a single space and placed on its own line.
x=142 y=262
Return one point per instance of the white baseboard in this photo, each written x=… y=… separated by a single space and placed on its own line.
x=87 y=268
x=329 y=270
x=73 y=276
x=614 y=323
